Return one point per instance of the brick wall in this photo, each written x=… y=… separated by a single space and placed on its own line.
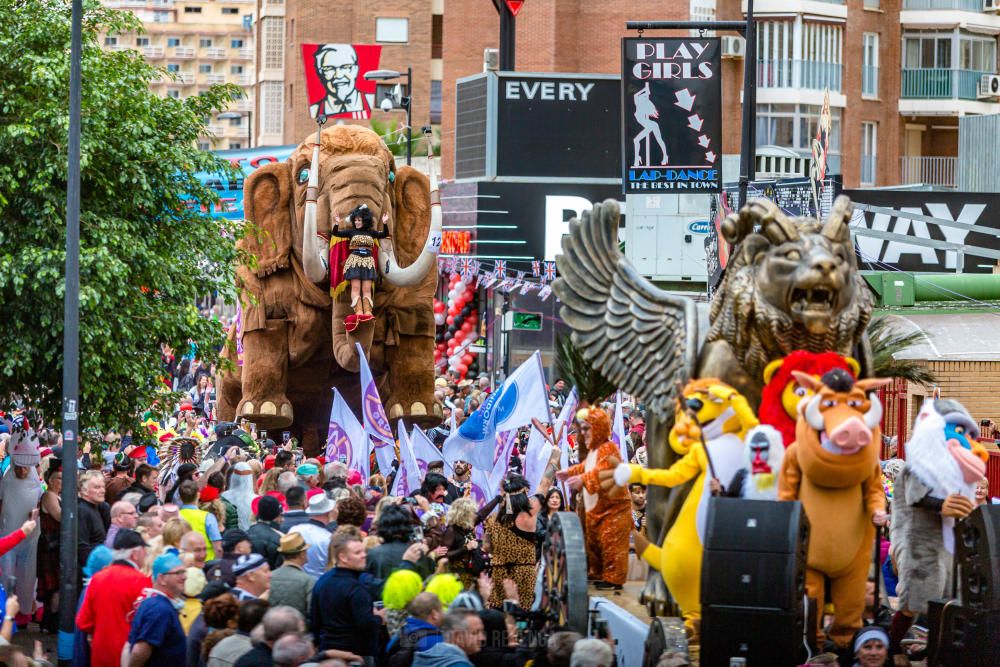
x=353 y=22
x=972 y=383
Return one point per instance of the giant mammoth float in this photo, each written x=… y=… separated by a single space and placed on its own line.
x=294 y=347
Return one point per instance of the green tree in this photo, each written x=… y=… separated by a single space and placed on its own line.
x=148 y=249
x=571 y=366
x=888 y=341
x=394 y=136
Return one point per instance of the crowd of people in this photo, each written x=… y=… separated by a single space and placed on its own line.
x=222 y=547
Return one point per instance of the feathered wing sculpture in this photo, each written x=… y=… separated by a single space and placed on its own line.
x=640 y=337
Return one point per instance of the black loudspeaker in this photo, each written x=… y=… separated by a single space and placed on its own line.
x=977 y=552
x=755 y=554
x=962 y=637
x=753 y=582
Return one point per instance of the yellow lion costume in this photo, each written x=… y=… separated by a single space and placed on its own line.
x=723 y=418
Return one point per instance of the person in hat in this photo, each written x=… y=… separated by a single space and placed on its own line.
x=290 y=584
x=235 y=543
x=322 y=513
x=309 y=475
x=156 y=636
x=110 y=598
x=265 y=535
x=121 y=469
x=241 y=493
x=253 y=577
x=20 y=491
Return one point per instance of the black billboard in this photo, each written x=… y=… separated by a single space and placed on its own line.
x=553 y=125
x=671 y=108
x=964 y=208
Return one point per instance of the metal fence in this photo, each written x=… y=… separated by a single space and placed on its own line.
x=927 y=83
x=965 y=5
x=939 y=171
x=799 y=74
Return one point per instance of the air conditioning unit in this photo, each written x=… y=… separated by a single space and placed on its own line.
x=991 y=5
x=736 y=47
x=491 y=60
x=989 y=86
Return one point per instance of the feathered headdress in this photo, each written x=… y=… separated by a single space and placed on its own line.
x=177 y=450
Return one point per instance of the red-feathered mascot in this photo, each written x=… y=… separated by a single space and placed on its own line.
x=782 y=393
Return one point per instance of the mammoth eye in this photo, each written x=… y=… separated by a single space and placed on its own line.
x=303 y=176
x=392 y=177
x=793 y=255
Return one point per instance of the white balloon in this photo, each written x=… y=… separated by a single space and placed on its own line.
x=452 y=294
x=439 y=318
x=460 y=287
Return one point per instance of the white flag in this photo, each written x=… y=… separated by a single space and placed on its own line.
x=536 y=455
x=521 y=398
x=373 y=417
x=561 y=426
x=346 y=439
x=424 y=450
x=618 y=428
x=409 y=475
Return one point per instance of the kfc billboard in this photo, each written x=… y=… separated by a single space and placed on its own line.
x=335 y=79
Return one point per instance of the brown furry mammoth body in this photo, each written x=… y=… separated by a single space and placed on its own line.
x=294 y=345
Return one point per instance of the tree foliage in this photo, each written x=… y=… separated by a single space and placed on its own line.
x=148 y=249
x=887 y=341
x=571 y=366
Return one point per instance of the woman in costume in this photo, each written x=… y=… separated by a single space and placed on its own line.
x=511 y=536
x=360 y=267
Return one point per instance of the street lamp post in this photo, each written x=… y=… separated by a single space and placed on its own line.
x=400 y=100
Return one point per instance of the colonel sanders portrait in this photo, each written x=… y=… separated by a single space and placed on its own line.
x=337 y=68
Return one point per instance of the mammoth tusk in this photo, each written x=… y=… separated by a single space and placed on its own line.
x=813 y=416
x=415 y=272
x=873 y=418
x=314 y=254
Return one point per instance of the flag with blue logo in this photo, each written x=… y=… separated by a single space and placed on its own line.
x=373 y=417
x=521 y=398
x=346 y=439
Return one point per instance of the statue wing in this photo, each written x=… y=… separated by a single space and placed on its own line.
x=642 y=338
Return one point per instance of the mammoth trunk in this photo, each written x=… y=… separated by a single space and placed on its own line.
x=415 y=272
x=315 y=262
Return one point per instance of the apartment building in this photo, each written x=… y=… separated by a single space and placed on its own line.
x=201 y=43
x=409 y=32
x=900 y=72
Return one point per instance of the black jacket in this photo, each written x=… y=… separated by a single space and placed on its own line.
x=386 y=558
x=265 y=536
x=292 y=518
x=93 y=522
x=341 y=615
x=258 y=656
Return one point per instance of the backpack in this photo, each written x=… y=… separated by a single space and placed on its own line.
x=401 y=653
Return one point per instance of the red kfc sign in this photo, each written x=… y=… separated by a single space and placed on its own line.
x=335 y=79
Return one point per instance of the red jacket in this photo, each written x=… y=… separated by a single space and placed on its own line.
x=107 y=610
x=8 y=542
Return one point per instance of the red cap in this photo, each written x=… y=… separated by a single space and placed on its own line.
x=138 y=452
x=354 y=477
x=187 y=405
x=208 y=494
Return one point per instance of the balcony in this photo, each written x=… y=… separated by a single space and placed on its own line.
x=242 y=105
x=186 y=78
x=940 y=171
x=216 y=130
x=184 y=52
x=954 y=5
x=245 y=53
x=152 y=52
x=807 y=74
x=243 y=80
x=940 y=84
x=215 y=53
x=213 y=79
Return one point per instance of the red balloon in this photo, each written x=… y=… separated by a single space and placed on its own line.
x=459 y=336
x=467 y=359
x=463 y=369
x=467 y=326
x=439 y=306
x=450 y=320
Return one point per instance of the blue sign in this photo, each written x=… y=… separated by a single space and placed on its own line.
x=231 y=191
x=699 y=227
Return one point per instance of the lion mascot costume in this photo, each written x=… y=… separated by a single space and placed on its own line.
x=834 y=464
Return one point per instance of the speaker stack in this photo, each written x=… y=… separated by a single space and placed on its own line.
x=753 y=582
x=966 y=632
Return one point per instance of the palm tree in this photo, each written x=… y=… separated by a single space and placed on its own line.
x=572 y=367
x=393 y=134
x=888 y=341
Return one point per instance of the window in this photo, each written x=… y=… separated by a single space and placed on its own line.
x=807 y=58
x=869 y=146
x=204 y=146
x=927 y=51
x=160 y=16
x=236 y=69
x=437 y=35
x=235 y=145
x=273 y=48
x=869 y=65
x=236 y=122
x=110 y=41
x=272 y=112
x=978 y=55
x=230 y=10
x=794 y=126
x=205 y=69
x=192 y=10
x=174 y=94
x=872 y=4
x=173 y=41
x=236 y=44
x=393 y=31
x=435 y=101
x=142 y=41
x=173 y=67
x=205 y=42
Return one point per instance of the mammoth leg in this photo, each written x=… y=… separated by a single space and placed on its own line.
x=265 y=376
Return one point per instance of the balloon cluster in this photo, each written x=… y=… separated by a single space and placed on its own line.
x=456 y=321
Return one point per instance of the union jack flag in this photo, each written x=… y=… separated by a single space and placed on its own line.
x=465 y=267
x=536 y=268
x=550 y=271
x=500 y=268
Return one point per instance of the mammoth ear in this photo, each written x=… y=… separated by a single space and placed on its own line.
x=265 y=203
x=413 y=214
x=771 y=369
